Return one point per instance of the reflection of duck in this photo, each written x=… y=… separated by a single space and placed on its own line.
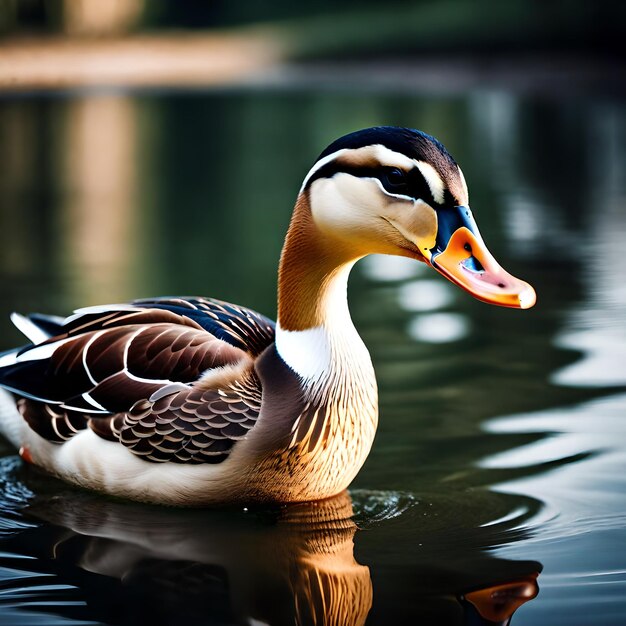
x=497 y=603
x=193 y=401
x=295 y=565
x=130 y=563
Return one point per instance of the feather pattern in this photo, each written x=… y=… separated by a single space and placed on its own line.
x=239 y=326
x=51 y=422
x=190 y=426
x=141 y=374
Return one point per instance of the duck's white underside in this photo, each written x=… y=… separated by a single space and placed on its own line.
x=12 y=424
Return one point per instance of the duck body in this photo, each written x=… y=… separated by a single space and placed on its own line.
x=164 y=394
x=193 y=401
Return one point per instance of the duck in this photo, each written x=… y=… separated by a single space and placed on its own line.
x=193 y=401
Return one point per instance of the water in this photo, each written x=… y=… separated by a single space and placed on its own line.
x=501 y=451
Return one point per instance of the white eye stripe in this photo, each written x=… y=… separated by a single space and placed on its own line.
x=385 y=158
x=435 y=183
x=464 y=183
x=327 y=159
x=378 y=153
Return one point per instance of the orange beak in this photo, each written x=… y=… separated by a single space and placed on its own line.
x=461 y=256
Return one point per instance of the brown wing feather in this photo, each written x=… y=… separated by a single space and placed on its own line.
x=51 y=422
x=240 y=326
x=128 y=316
x=187 y=426
x=118 y=366
x=136 y=375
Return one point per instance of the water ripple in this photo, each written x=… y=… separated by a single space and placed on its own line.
x=374 y=507
x=14 y=496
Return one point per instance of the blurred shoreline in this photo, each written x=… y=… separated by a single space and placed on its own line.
x=141 y=60
x=442 y=46
x=179 y=60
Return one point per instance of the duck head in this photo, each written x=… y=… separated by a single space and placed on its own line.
x=398 y=191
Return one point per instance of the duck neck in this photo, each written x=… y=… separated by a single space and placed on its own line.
x=315 y=333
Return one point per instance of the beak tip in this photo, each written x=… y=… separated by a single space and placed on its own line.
x=527 y=298
x=468 y=263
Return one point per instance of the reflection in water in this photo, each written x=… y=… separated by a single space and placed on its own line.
x=439 y=327
x=289 y=565
x=99 y=175
x=136 y=564
x=577 y=462
x=390 y=268
x=496 y=604
x=425 y=295
x=594 y=431
x=596 y=327
x=579 y=469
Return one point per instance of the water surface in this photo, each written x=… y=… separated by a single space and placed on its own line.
x=499 y=465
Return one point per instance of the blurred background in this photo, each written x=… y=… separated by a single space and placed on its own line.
x=155 y=148
x=194 y=42
x=119 y=118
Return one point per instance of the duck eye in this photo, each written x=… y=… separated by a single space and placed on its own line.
x=395 y=177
